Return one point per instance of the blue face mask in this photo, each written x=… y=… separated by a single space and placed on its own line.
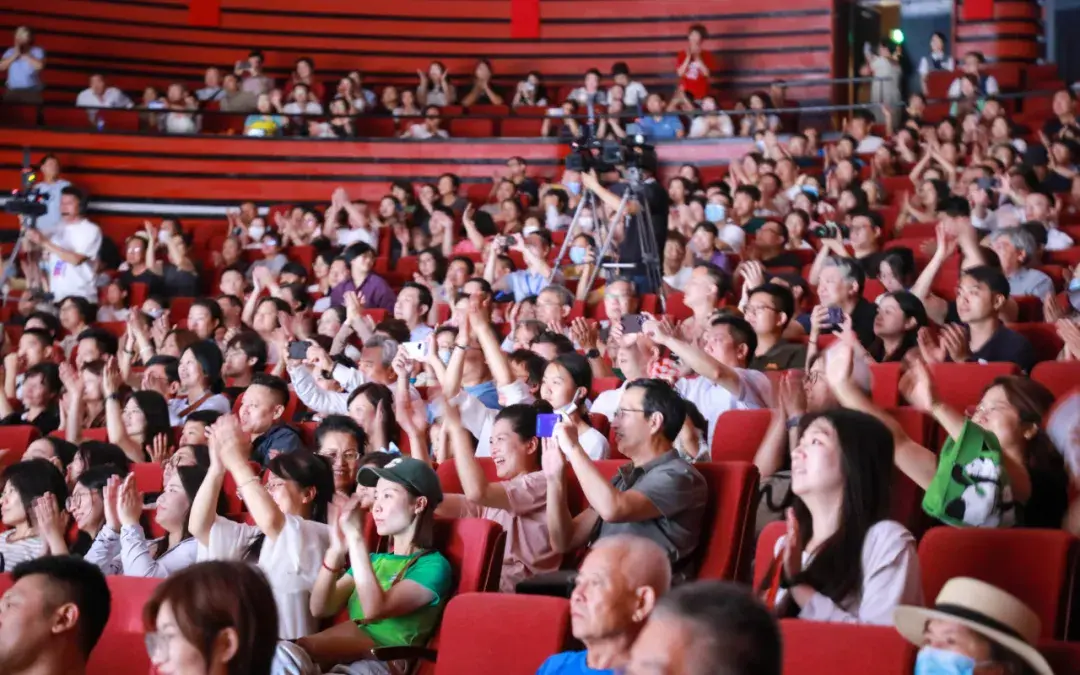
x=715 y=213
x=577 y=254
x=933 y=661
x=1074 y=285
x=574 y=187
x=444 y=355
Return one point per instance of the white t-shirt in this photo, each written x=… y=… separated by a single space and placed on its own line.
x=732 y=235
x=83 y=238
x=310 y=108
x=607 y=402
x=712 y=399
x=291 y=563
x=869 y=145
x=679 y=279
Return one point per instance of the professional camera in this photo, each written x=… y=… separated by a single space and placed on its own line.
x=27 y=203
x=830 y=230
x=592 y=153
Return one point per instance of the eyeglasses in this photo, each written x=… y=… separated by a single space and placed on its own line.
x=621 y=412
x=75 y=501
x=335 y=457
x=985 y=410
x=754 y=309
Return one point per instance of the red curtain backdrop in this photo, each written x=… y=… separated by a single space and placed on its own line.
x=978 y=10
x=204 y=12
x=524 y=19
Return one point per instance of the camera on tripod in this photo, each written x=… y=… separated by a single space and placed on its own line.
x=27 y=203
x=588 y=153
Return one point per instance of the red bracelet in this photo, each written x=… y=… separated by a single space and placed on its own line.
x=331 y=570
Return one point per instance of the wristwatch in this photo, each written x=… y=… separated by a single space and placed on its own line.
x=593 y=353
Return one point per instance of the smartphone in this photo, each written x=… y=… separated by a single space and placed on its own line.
x=417 y=351
x=632 y=323
x=545 y=424
x=836 y=316
x=298 y=349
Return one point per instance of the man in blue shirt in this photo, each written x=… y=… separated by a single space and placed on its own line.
x=659 y=125
x=619 y=583
x=23 y=63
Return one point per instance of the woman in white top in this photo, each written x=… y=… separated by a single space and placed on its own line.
x=565 y=386
x=121 y=547
x=25 y=482
x=711 y=124
x=290 y=534
x=842 y=559
x=200 y=379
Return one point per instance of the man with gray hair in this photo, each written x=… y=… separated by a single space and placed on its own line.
x=553 y=306
x=1017 y=250
x=616 y=588
x=708 y=628
x=324 y=385
x=840 y=287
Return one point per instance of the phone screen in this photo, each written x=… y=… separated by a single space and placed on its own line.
x=298 y=349
x=545 y=424
x=632 y=323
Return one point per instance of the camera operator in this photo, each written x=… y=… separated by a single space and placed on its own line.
x=50 y=186
x=627 y=240
x=70 y=254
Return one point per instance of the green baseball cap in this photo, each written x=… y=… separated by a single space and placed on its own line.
x=418 y=477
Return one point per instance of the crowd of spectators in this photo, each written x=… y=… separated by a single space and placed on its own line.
x=322 y=390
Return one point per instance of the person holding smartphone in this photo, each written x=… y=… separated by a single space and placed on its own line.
x=23 y=62
x=250 y=70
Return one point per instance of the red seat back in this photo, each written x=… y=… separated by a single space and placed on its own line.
x=961 y=385
x=763 y=551
x=1034 y=565
x=1063 y=657
x=1058 y=376
x=817 y=648
x=148 y=476
x=885 y=384
x=738 y=434
x=728 y=526
x=520 y=632
x=1043 y=337
x=15 y=439
x=121 y=648
x=602 y=384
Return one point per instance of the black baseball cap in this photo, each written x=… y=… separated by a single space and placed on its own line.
x=416 y=476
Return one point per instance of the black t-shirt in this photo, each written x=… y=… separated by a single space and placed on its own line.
x=1006 y=346
x=659 y=204
x=180 y=283
x=871 y=264
x=784 y=355
x=154 y=282
x=46 y=423
x=1055 y=182
x=785 y=259
x=530 y=188
x=1054 y=129
x=1049 y=499
x=862 y=321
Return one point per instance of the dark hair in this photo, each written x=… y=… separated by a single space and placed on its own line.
x=73 y=580
x=78 y=194
x=185 y=338
x=901 y=261
x=209 y=597
x=206 y=417
x=470 y=266
x=718 y=276
x=191 y=478
x=340 y=424
x=50 y=376
x=52 y=323
x=100 y=453
x=708 y=227
x=377 y=394
x=750 y=191
x=620 y=68
x=96 y=477
x=866 y=461
x=301 y=297
x=534 y=365
x=274 y=384
x=734 y=632
x=699 y=29
x=741 y=331
x=307 y=470
x=211 y=306
x=34 y=478
x=156 y=410
x=781 y=295
x=42 y=336
x=989 y=277
x=1032 y=402
x=82 y=306
x=563 y=344
x=106 y=341
x=63 y=450
x=912 y=308
x=424 y=293
x=171 y=363
x=661 y=398
x=253 y=346
x=580 y=372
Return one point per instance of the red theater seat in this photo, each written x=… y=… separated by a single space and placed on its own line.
x=148 y=476
x=820 y=648
x=728 y=527
x=15 y=440
x=122 y=648
x=1036 y=566
x=961 y=385
x=738 y=434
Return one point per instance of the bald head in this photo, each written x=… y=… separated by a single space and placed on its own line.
x=619 y=583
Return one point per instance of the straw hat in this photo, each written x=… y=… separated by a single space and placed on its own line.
x=983 y=608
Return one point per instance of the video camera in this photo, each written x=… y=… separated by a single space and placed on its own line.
x=604 y=155
x=26 y=201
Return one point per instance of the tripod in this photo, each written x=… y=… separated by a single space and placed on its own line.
x=638 y=220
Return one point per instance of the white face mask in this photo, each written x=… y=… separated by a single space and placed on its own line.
x=163 y=237
x=569 y=407
x=256 y=232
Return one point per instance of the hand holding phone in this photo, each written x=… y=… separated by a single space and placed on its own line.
x=417 y=351
x=836 y=316
x=298 y=350
x=632 y=323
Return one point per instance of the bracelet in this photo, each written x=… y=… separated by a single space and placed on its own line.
x=332 y=570
x=243 y=485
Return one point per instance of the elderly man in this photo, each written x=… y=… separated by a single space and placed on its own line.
x=657 y=495
x=619 y=583
x=702 y=296
x=705 y=628
x=840 y=286
x=1017 y=250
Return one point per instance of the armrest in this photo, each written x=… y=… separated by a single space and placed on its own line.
x=404 y=653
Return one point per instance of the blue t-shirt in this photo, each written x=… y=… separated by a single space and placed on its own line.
x=665 y=128
x=569 y=663
x=21 y=74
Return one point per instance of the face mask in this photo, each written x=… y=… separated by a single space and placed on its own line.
x=569 y=407
x=444 y=355
x=1074 y=285
x=932 y=661
x=154 y=313
x=163 y=237
x=585 y=222
x=574 y=187
x=532 y=229
x=715 y=213
x=256 y=232
x=577 y=254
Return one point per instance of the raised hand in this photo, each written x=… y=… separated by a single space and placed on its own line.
x=232 y=445
x=793 y=394
x=111 y=379
x=161 y=449
x=955 y=339
x=585 y=333
x=552 y=460
x=49 y=523
x=838 y=365
x=931 y=350
x=566 y=434
x=70 y=379
x=351 y=520
x=129 y=502
x=110 y=495
x=793 y=546
x=917 y=387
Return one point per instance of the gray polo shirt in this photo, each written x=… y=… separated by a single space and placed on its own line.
x=679 y=493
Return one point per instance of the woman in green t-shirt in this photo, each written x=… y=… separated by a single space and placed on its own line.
x=393 y=599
